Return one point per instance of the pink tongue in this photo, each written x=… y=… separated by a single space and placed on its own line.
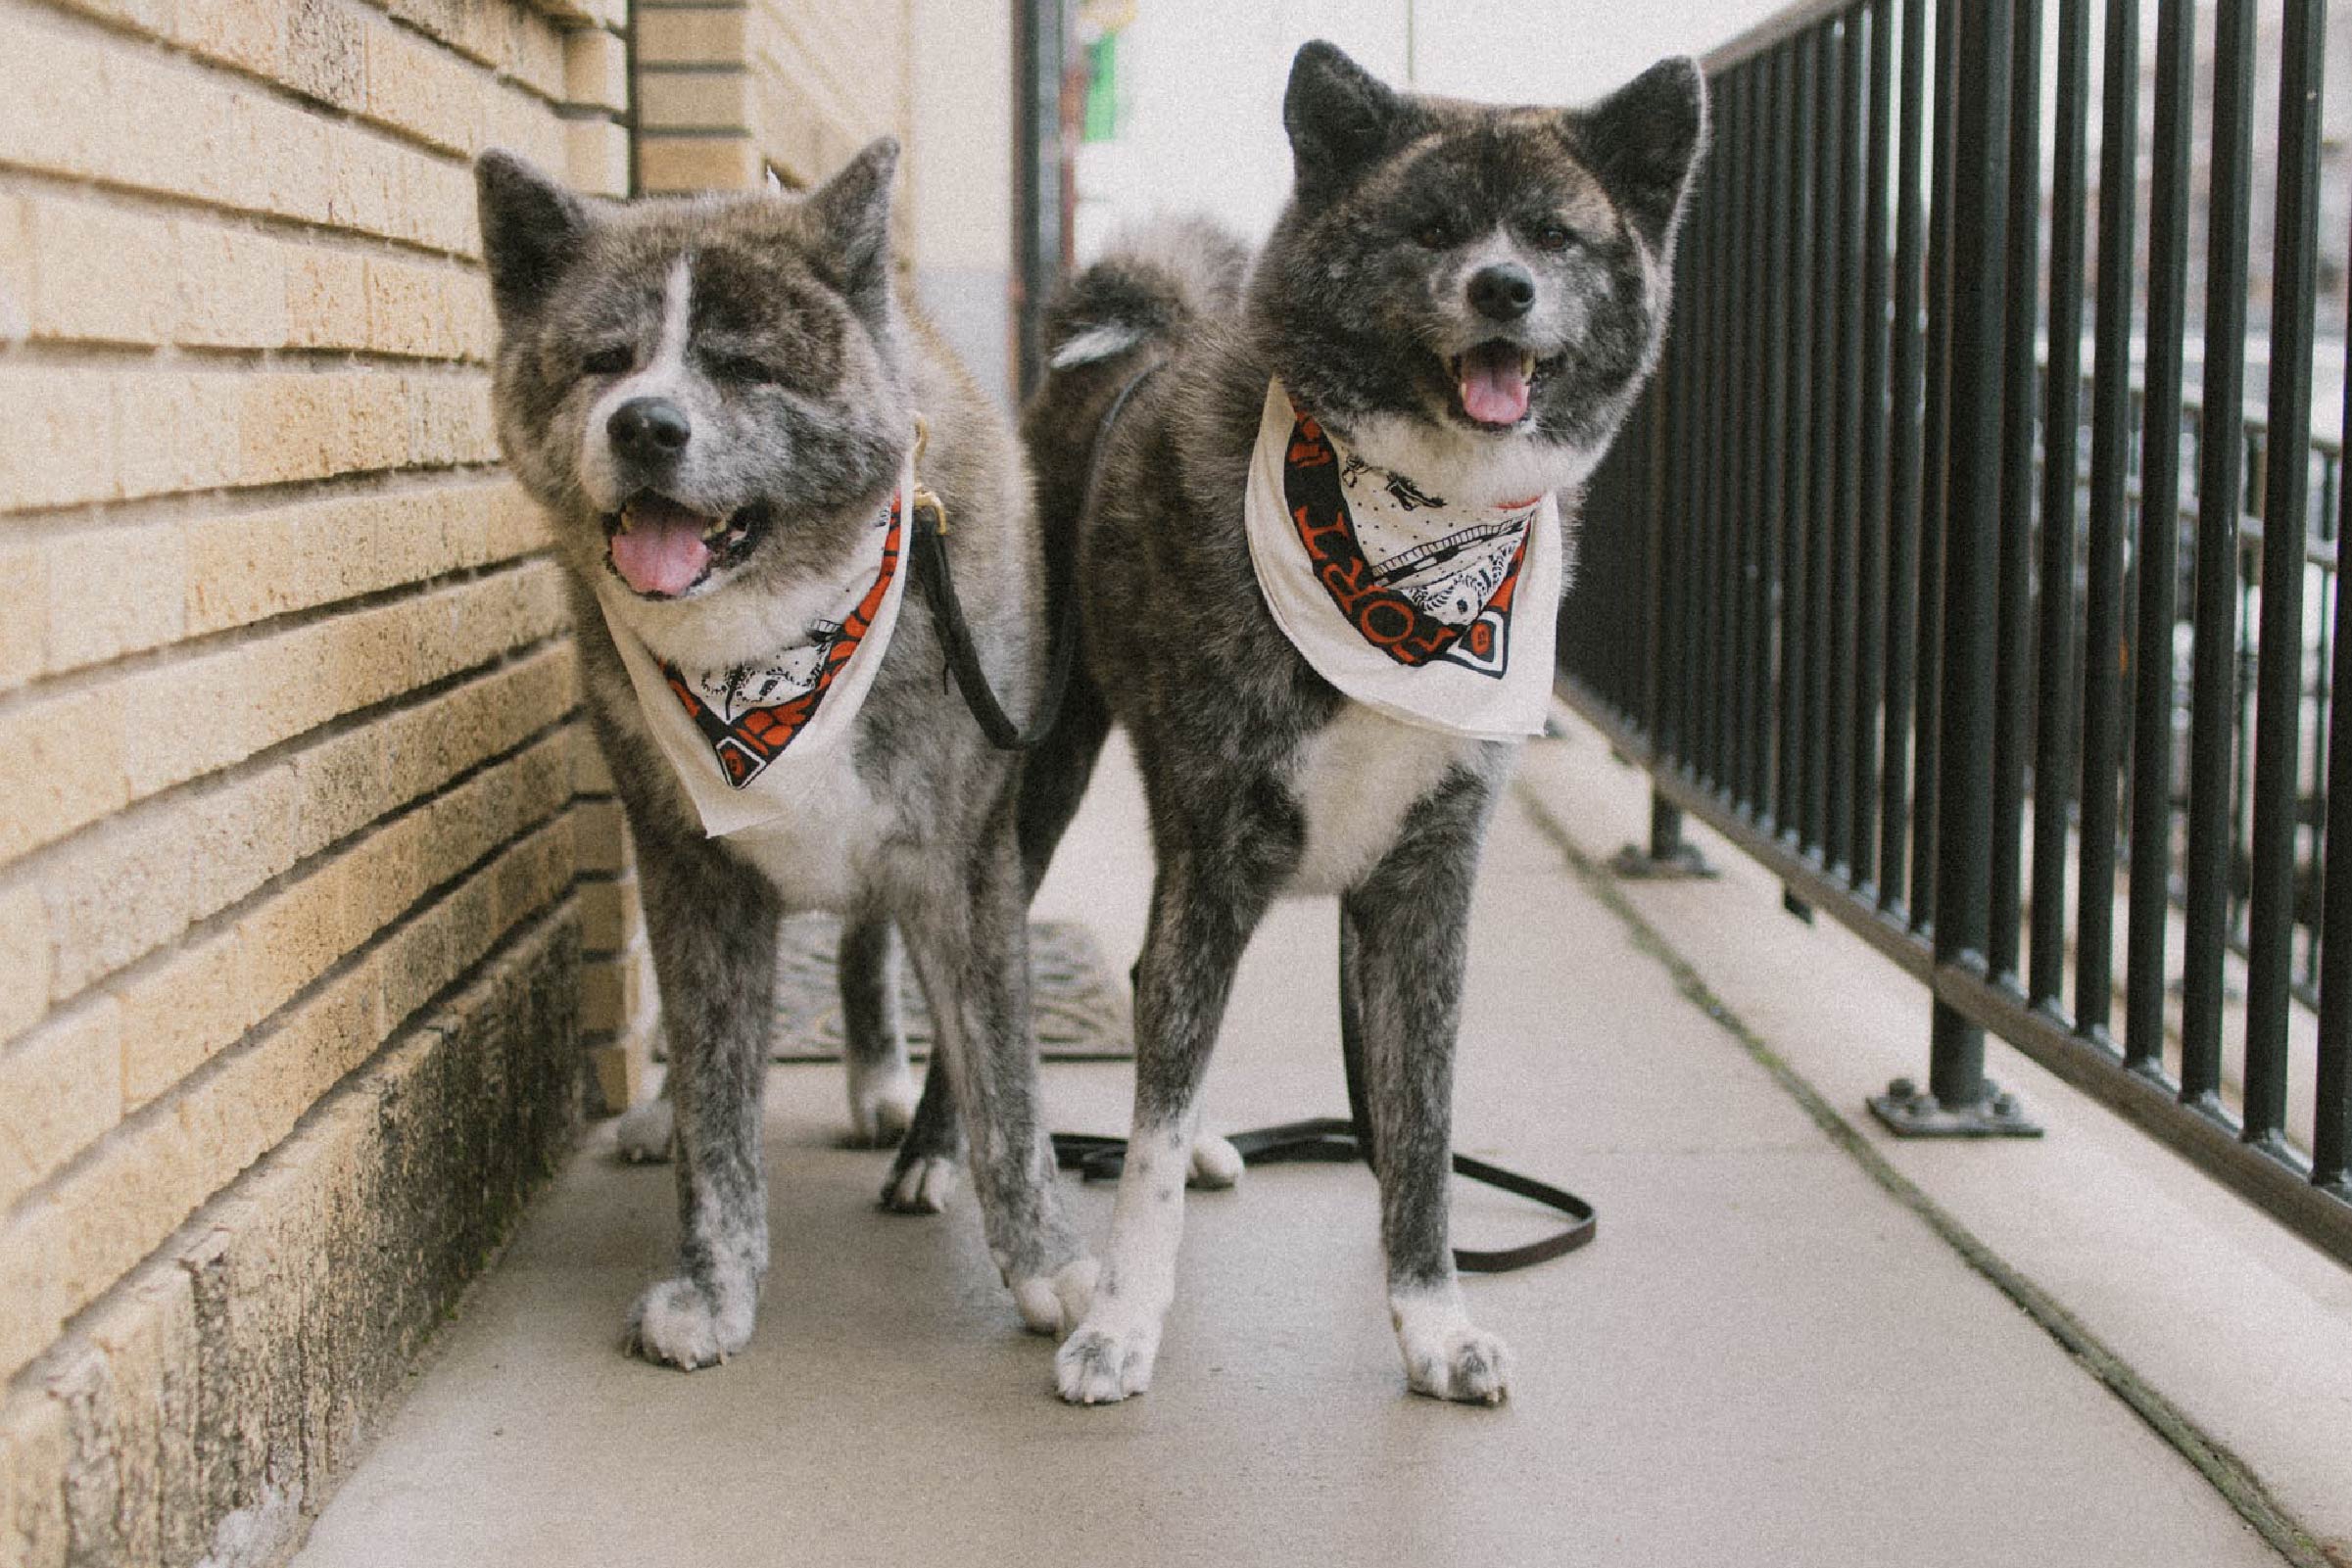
x=660 y=549
x=1493 y=391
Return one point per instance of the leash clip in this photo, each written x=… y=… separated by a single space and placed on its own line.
x=926 y=500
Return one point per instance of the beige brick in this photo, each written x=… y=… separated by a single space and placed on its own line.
x=326 y=52
x=115 y=895
x=608 y=916
x=113 y=592
x=410 y=308
x=23 y=612
x=60 y=1090
x=104 y=275
x=422 y=89
x=16 y=270
x=692 y=100
x=596 y=157
x=151 y=17
x=603 y=834
x=689 y=37
x=251 y=33
x=176 y=431
x=176 y=1018
x=233 y=291
x=138 y=1457
x=33 y=1446
x=596 y=68
x=590 y=774
x=57 y=437
x=60 y=769
x=609 y=992
x=24 y=959
x=326 y=300
x=535 y=54
x=697 y=162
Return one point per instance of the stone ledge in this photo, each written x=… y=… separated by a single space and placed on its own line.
x=206 y=1406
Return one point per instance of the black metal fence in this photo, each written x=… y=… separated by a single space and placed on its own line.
x=1922 y=574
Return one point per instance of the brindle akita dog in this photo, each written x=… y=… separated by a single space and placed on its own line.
x=713 y=399
x=1471 y=298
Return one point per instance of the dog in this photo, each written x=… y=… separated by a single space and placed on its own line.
x=1330 y=523
x=729 y=414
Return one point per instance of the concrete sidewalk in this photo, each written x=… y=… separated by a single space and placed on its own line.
x=1765 y=1359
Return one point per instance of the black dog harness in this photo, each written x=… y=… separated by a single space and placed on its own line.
x=1325 y=1139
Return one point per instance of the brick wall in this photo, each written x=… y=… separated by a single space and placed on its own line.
x=294 y=800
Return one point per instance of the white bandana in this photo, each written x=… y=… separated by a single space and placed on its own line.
x=1438 y=615
x=746 y=741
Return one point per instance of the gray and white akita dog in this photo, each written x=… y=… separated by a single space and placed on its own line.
x=1299 y=573
x=717 y=401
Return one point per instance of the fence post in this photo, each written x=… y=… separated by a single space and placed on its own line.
x=1958 y=1101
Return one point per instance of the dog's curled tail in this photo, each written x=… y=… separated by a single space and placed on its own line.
x=1151 y=282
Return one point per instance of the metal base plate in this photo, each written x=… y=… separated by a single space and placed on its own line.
x=1686 y=863
x=1910 y=1112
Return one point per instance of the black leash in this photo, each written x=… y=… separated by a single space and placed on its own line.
x=1325 y=1139
x=955 y=635
x=1329 y=1140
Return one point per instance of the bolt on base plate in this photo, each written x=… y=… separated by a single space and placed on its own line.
x=1685 y=864
x=1910 y=1112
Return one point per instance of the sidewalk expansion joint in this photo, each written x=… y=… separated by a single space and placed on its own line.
x=2229 y=1475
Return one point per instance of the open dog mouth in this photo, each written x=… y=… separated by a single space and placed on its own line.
x=663 y=549
x=1495 y=381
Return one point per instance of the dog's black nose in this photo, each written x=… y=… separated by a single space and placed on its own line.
x=649 y=429
x=1503 y=293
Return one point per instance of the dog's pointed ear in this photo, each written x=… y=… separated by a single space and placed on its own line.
x=1340 y=118
x=530 y=228
x=853 y=209
x=1643 y=141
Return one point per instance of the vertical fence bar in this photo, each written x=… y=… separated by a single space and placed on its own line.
x=1756 y=516
x=1772 y=799
x=2157 y=556
x=2055 y=718
x=1980 y=171
x=1821 y=526
x=2285 y=537
x=1926 y=886
x=1796 y=519
x=2221 y=457
x=1671 y=536
x=1870 y=599
x=1907 y=391
x=1726 y=439
x=2013 y=654
x=1845 y=232
x=2331 y=1131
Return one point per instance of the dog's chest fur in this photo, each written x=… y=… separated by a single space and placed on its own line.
x=823 y=852
x=1356 y=777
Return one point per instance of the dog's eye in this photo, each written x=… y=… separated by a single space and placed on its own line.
x=1436 y=234
x=610 y=362
x=1553 y=237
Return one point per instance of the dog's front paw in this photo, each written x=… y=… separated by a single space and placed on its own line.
x=1102 y=1365
x=882 y=1107
x=644 y=1132
x=1461 y=1361
x=680 y=1324
x=919 y=1185
x=1057 y=1302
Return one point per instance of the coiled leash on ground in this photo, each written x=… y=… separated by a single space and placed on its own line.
x=1324 y=1139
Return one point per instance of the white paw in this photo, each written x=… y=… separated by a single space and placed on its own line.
x=920 y=1186
x=1216 y=1163
x=881 y=1106
x=1102 y=1365
x=1056 y=1303
x=646 y=1130
x=1457 y=1362
x=677 y=1322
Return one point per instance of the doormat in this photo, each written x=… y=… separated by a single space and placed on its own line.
x=1081 y=1008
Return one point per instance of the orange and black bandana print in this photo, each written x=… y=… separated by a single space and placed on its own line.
x=746 y=741
x=1385 y=618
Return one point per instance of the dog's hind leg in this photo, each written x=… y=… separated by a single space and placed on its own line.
x=1406 y=925
x=712 y=923
x=966 y=931
x=882 y=1092
x=1204 y=907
